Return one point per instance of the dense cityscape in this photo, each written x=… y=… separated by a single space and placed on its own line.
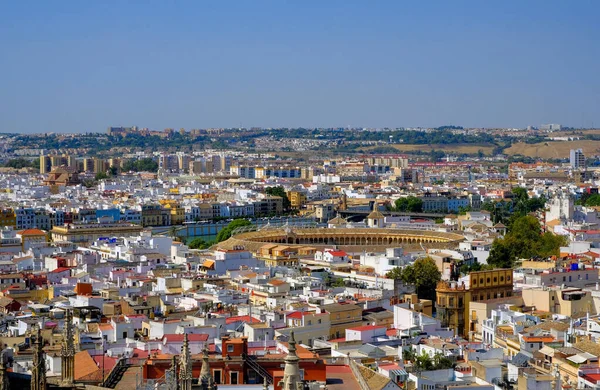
x=322 y=258
x=300 y=195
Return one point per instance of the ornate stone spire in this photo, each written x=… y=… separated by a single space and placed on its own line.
x=291 y=373
x=4 y=384
x=206 y=380
x=171 y=375
x=185 y=366
x=38 y=371
x=67 y=352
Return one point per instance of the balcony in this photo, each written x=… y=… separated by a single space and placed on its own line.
x=542 y=366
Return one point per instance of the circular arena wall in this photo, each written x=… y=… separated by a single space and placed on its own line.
x=351 y=240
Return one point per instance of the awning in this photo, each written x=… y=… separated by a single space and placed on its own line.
x=581 y=357
x=210 y=264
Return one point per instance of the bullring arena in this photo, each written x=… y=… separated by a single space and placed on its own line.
x=351 y=240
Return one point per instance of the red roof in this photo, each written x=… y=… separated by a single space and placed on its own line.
x=178 y=338
x=106 y=361
x=367 y=327
x=60 y=269
x=295 y=315
x=337 y=253
x=249 y=319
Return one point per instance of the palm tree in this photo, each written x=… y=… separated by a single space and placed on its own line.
x=173 y=232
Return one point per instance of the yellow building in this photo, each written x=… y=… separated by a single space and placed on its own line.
x=343 y=316
x=453 y=298
x=8 y=218
x=88 y=164
x=555 y=300
x=278 y=255
x=177 y=213
x=297 y=199
x=99 y=166
x=45 y=164
x=25 y=294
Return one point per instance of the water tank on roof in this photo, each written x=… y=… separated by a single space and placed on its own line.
x=574 y=267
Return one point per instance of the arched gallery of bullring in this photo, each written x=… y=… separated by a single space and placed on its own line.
x=350 y=240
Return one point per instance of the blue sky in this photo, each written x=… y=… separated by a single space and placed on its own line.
x=71 y=66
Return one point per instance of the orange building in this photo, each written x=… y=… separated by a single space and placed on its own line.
x=235 y=365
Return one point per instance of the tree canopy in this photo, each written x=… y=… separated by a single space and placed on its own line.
x=199 y=243
x=423 y=274
x=409 y=204
x=279 y=191
x=524 y=240
x=141 y=165
x=225 y=233
x=508 y=211
x=590 y=200
x=21 y=162
x=424 y=362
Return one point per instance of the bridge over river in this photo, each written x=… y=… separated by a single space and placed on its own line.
x=209 y=230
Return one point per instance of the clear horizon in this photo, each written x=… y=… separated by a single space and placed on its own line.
x=74 y=67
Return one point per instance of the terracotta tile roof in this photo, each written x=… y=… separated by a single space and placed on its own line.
x=538 y=339
x=341 y=378
x=178 y=338
x=276 y=282
x=31 y=232
x=231 y=320
x=86 y=368
x=374 y=380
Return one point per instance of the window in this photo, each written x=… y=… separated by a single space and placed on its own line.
x=502 y=278
x=309 y=322
x=488 y=280
x=229 y=347
x=530 y=345
x=495 y=279
x=481 y=281
x=319 y=321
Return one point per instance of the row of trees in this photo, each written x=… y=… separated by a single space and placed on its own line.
x=141 y=165
x=20 y=162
